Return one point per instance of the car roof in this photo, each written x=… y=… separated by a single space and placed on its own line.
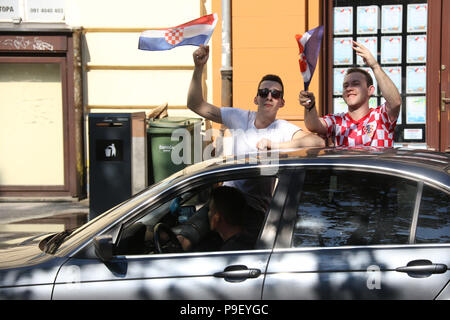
x=424 y=163
x=424 y=158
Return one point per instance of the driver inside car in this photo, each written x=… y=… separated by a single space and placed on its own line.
x=196 y=235
x=221 y=221
x=225 y=214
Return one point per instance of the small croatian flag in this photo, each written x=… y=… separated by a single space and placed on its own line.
x=309 y=45
x=195 y=33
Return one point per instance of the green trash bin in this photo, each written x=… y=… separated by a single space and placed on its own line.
x=173 y=144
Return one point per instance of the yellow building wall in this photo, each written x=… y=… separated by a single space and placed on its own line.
x=120 y=78
x=263 y=41
x=31 y=134
x=117 y=76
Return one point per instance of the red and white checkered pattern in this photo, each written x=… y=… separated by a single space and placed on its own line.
x=372 y=130
x=174 y=36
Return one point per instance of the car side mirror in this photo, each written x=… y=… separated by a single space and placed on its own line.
x=104 y=247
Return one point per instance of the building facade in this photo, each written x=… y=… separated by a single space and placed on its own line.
x=409 y=38
x=62 y=60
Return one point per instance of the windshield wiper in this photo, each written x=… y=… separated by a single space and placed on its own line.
x=53 y=244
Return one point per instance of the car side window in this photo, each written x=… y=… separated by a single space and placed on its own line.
x=343 y=207
x=187 y=215
x=433 y=225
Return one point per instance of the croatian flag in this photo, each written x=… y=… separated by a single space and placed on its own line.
x=309 y=46
x=195 y=33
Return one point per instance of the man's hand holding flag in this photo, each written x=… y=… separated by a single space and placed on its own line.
x=196 y=32
x=309 y=47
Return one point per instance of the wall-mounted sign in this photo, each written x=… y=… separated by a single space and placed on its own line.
x=416 y=79
x=416 y=110
x=395 y=73
x=343 y=52
x=392 y=18
x=417 y=17
x=338 y=80
x=343 y=20
x=416 y=49
x=391 y=49
x=413 y=134
x=45 y=10
x=368 y=20
x=9 y=10
x=370 y=43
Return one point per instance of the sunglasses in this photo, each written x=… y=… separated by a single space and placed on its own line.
x=276 y=94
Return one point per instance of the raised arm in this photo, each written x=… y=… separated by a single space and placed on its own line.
x=312 y=120
x=388 y=89
x=195 y=100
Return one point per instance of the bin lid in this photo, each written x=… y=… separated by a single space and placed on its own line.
x=173 y=122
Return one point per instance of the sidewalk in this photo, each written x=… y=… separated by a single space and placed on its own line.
x=24 y=218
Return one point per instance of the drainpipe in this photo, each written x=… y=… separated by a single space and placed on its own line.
x=226 y=71
x=227 y=75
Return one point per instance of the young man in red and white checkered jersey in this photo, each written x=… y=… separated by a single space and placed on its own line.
x=360 y=126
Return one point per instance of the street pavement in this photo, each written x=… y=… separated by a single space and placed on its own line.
x=21 y=219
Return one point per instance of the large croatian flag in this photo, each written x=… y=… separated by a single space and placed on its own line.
x=309 y=46
x=195 y=33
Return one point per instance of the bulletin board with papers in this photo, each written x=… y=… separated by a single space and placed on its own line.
x=396 y=34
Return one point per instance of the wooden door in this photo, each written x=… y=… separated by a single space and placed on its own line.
x=445 y=79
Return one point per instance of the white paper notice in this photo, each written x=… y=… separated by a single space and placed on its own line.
x=338 y=80
x=416 y=49
x=343 y=20
x=391 y=18
x=413 y=134
x=415 y=110
x=339 y=106
x=395 y=73
x=391 y=50
x=417 y=17
x=370 y=43
x=367 y=20
x=343 y=52
x=9 y=9
x=416 y=79
x=45 y=10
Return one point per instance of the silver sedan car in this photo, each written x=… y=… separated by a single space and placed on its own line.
x=339 y=224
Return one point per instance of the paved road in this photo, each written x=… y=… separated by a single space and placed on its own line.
x=20 y=220
x=15 y=211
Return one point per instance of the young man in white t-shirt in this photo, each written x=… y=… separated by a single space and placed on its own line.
x=251 y=131
x=248 y=127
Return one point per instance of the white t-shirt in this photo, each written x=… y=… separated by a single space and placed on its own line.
x=245 y=137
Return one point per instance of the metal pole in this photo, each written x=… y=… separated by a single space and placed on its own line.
x=225 y=148
x=227 y=70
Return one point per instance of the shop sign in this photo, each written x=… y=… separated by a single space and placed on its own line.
x=44 y=10
x=9 y=10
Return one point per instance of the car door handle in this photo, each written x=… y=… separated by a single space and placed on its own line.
x=422 y=268
x=238 y=273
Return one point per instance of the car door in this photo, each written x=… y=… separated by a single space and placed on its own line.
x=349 y=235
x=197 y=275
